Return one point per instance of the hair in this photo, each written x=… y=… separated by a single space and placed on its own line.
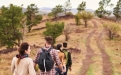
x=64 y=44
x=49 y=39
x=24 y=46
x=58 y=47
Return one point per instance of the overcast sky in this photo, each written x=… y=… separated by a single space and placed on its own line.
x=90 y=4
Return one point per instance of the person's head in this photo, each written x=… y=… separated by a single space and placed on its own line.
x=24 y=48
x=58 y=46
x=49 y=39
x=64 y=44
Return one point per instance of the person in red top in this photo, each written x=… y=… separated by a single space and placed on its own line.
x=54 y=55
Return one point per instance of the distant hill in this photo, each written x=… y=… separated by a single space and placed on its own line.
x=73 y=10
x=46 y=10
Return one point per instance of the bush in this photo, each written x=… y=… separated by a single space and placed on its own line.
x=69 y=14
x=54 y=29
x=112 y=29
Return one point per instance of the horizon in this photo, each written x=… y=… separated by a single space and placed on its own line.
x=51 y=4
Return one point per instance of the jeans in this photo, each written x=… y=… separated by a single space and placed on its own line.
x=58 y=71
x=66 y=70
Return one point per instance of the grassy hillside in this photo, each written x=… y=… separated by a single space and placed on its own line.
x=99 y=55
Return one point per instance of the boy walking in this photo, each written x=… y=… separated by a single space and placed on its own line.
x=68 y=58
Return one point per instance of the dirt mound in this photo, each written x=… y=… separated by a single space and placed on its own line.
x=63 y=17
x=5 y=51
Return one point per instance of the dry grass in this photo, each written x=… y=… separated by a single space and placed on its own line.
x=97 y=58
x=113 y=49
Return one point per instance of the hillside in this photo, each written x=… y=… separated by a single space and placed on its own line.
x=98 y=56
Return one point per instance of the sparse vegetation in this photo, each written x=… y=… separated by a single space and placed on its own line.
x=85 y=16
x=112 y=29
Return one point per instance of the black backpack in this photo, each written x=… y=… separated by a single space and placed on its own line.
x=45 y=61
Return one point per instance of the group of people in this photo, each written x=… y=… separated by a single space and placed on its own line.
x=61 y=61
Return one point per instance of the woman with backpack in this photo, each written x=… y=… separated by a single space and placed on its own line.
x=22 y=64
x=62 y=59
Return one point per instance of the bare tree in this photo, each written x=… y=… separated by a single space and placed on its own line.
x=67 y=31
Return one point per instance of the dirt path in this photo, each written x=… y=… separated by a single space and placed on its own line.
x=107 y=67
x=90 y=52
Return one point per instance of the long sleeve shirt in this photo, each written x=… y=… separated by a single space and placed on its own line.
x=55 y=57
x=25 y=66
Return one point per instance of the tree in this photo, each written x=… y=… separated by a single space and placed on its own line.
x=54 y=30
x=85 y=16
x=67 y=31
x=56 y=10
x=32 y=18
x=50 y=15
x=77 y=19
x=10 y=25
x=112 y=29
x=67 y=6
x=101 y=11
x=117 y=10
x=82 y=6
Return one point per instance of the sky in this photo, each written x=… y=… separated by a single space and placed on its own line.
x=90 y=4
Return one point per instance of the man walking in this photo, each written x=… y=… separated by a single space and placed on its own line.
x=53 y=55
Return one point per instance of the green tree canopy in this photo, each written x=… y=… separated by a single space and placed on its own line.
x=82 y=6
x=117 y=10
x=10 y=25
x=103 y=4
x=32 y=18
x=54 y=29
x=56 y=10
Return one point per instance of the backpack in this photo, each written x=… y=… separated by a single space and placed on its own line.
x=45 y=61
x=66 y=55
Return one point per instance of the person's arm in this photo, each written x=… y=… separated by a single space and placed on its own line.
x=62 y=59
x=69 y=60
x=64 y=65
x=31 y=68
x=57 y=60
x=13 y=65
x=36 y=57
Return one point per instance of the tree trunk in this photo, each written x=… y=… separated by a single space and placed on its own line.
x=85 y=23
x=110 y=34
x=29 y=29
x=65 y=12
x=116 y=19
x=66 y=36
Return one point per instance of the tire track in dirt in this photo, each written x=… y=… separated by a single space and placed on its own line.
x=107 y=66
x=90 y=52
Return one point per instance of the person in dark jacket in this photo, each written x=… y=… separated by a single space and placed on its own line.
x=68 y=58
